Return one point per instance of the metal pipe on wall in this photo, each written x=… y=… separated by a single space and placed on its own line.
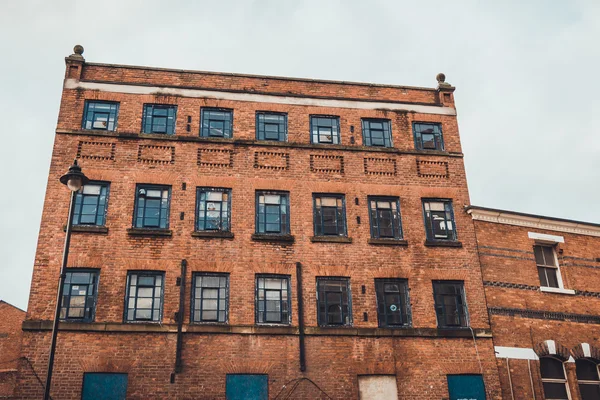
x=300 y=317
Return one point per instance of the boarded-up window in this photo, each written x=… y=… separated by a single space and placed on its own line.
x=377 y=387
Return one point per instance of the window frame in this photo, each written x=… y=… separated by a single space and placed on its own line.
x=464 y=317
x=205 y=131
x=337 y=136
x=405 y=298
x=398 y=217
x=556 y=266
x=147 y=187
x=151 y=116
x=366 y=132
x=418 y=139
x=282 y=136
x=587 y=381
x=344 y=229
x=144 y=273
x=195 y=275
x=325 y=323
x=95 y=272
x=288 y=279
x=86 y=110
x=80 y=203
x=564 y=381
x=206 y=189
x=430 y=235
x=257 y=215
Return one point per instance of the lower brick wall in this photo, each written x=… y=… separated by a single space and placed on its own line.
x=333 y=364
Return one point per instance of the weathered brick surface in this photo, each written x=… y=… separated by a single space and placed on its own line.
x=244 y=165
x=11 y=319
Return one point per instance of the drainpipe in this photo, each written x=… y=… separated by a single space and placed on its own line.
x=300 y=317
x=179 y=316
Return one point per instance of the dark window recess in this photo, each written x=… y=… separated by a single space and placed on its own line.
x=377 y=132
x=100 y=115
x=450 y=304
x=546 y=264
x=271 y=126
x=553 y=378
x=90 y=204
x=144 y=296
x=210 y=297
x=79 y=296
x=273 y=302
x=213 y=209
x=152 y=207
x=385 y=218
x=272 y=213
x=428 y=136
x=329 y=215
x=216 y=123
x=325 y=129
x=439 y=219
x=334 y=303
x=159 y=118
x=393 y=305
x=588 y=379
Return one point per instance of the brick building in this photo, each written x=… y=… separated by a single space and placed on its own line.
x=542 y=282
x=11 y=319
x=273 y=237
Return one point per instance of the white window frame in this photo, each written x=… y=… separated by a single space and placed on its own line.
x=551 y=241
x=586 y=382
x=564 y=381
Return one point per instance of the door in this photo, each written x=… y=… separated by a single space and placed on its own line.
x=377 y=387
x=102 y=386
x=466 y=387
x=247 y=387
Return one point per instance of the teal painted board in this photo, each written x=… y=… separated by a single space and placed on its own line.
x=100 y=386
x=466 y=387
x=247 y=387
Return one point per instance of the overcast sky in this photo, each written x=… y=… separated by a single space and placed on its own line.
x=527 y=75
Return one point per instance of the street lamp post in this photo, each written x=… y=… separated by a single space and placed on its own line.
x=74 y=180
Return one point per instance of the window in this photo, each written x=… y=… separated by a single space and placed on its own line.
x=385 y=218
x=210 y=297
x=159 y=118
x=393 y=305
x=428 y=136
x=104 y=386
x=325 y=129
x=439 y=219
x=273 y=302
x=152 y=207
x=90 y=204
x=377 y=132
x=271 y=126
x=553 y=378
x=79 y=296
x=144 y=296
x=216 y=123
x=100 y=115
x=246 y=387
x=547 y=266
x=272 y=213
x=333 y=299
x=213 y=209
x=329 y=215
x=587 y=376
x=450 y=304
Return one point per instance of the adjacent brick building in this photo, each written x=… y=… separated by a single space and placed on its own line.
x=11 y=319
x=307 y=235
x=542 y=282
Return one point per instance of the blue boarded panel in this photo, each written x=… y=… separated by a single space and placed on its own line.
x=100 y=386
x=466 y=387
x=247 y=387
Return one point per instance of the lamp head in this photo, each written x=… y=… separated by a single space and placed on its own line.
x=74 y=179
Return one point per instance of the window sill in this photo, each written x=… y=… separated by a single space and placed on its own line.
x=149 y=232
x=557 y=290
x=442 y=243
x=213 y=234
x=88 y=228
x=262 y=237
x=331 y=239
x=388 y=242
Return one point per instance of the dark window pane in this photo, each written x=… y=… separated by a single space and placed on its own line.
x=325 y=129
x=100 y=115
x=216 y=123
x=551 y=368
x=552 y=279
x=152 y=206
x=439 y=220
x=333 y=302
x=586 y=370
x=555 y=390
x=589 y=392
x=449 y=303
x=428 y=136
x=542 y=275
x=376 y=133
x=271 y=127
x=392 y=302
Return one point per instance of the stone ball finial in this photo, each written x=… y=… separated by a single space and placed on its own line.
x=78 y=49
x=441 y=78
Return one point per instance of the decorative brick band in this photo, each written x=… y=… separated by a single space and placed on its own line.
x=546 y=315
x=96 y=150
x=326 y=163
x=510 y=285
x=271 y=160
x=215 y=158
x=433 y=169
x=380 y=166
x=150 y=154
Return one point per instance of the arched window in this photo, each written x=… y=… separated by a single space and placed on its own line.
x=553 y=379
x=589 y=381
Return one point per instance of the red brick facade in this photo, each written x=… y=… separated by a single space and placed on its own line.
x=420 y=356
x=11 y=319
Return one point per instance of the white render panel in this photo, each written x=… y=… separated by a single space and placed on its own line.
x=377 y=387
x=521 y=353
x=257 y=98
x=542 y=237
